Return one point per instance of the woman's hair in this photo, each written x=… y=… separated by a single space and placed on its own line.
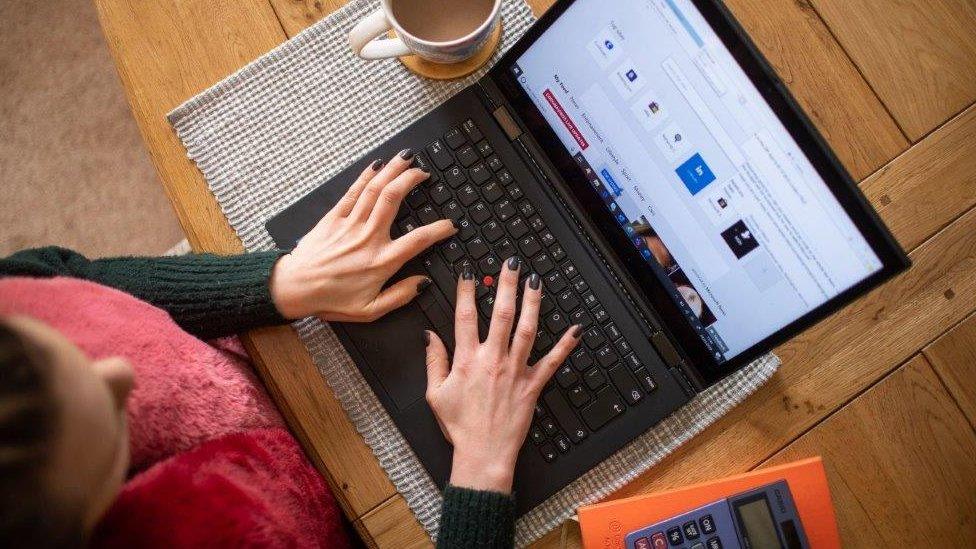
x=28 y=426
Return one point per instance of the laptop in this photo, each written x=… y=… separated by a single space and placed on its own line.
x=644 y=159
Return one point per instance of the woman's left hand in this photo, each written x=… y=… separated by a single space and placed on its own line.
x=339 y=269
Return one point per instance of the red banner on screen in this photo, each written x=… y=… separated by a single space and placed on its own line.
x=567 y=121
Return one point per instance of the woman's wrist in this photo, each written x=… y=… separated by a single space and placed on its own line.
x=285 y=292
x=477 y=472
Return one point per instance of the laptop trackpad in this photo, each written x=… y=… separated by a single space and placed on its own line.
x=393 y=348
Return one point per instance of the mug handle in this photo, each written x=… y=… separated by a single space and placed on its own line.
x=363 y=36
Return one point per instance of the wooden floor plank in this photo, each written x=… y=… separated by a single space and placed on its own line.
x=920 y=57
x=954 y=358
x=392 y=524
x=900 y=464
x=923 y=190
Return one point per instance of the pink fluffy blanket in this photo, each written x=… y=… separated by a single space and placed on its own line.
x=212 y=464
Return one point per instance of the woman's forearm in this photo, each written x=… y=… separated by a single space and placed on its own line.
x=476 y=518
x=207 y=295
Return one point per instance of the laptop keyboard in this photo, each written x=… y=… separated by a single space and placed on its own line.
x=470 y=184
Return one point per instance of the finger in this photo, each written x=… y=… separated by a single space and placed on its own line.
x=416 y=241
x=528 y=321
x=345 y=205
x=547 y=365
x=503 y=314
x=391 y=197
x=367 y=199
x=438 y=363
x=396 y=296
x=465 y=314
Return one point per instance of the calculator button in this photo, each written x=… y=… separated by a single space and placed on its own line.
x=675 y=537
x=714 y=543
x=642 y=543
x=698 y=545
x=690 y=529
x=707 y=524
x=658 y=541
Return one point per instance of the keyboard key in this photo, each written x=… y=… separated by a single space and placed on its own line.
x=562 y=443
x=506 y=248
x=582 y=317
x=426 y=214
x=416 y=197
x=408 y=224
x=613 y=332
x=547 y=304
x=558 y=253
x=485 y=149
x=479 y=174
x=547 y=238
x=542 y=342
x=626 y=384
x=515 y=192
x=633 y=362
x=548 y=452
x=589 y=299
x=517 y=228
x=453 y=210
x=466 y=229
x=440 y=193
x=594 y=378
x=493 y=191
x=566 y=376
x=490 y=265
x=452 y=251
x=495 y=164
x=529 y=245
x=549 y=426
x=539 y=411
x=526 y=208
x=543 y=263
x=454 y=138
x=472 y=131
x=441 y=273
x=579 y=396
x=455 y=177
x=606 y=356
x=594 y=337
x=485 y=305
x=564 y=414
x=479 y=213
x=645 y=379
x=536 y=435
x=606 y=406
x=569 y=270
x=505 y=177
x=492 y=230
x=440 y=155
x=421 y=161
x=468 y=157
x=600 y=314
x=554 y=282
x=579 y=284
x=581 y=359
x=477 y=248
x=567 y=300
x=536 y=223
x=556 y=322
x=468 y=195
x=505 y=210
x=622 y=345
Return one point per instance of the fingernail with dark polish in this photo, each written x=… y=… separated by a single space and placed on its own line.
x=455 y=223
x=377 y=165
x=423 y=285
x=406 y=154
x=467 y=273
x=426 y=338
x=535 y=281
x=514 y=263
x=577 y=330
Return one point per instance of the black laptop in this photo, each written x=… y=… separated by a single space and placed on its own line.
x=644 y=159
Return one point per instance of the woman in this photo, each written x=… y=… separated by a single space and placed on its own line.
x=64 y=452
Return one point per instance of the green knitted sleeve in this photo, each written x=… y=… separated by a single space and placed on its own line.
x=207 y=295
x=475 y=518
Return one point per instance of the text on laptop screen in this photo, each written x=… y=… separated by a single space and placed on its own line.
x=695 y=166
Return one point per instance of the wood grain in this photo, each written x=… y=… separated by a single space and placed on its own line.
x=920 y=57
x=954 y=358
x=392 y=524
x=923 y=190
x=900 y=464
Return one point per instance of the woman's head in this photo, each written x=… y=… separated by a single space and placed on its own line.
x=63 y=436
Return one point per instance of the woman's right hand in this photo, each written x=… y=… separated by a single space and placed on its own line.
x=485 y=400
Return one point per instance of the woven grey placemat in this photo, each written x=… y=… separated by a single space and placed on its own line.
x=279 y=127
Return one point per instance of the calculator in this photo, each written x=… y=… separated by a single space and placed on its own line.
x=761 y=518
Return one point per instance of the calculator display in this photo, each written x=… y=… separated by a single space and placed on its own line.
x=757 y=523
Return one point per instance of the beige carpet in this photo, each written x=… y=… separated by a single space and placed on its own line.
x=73 y=170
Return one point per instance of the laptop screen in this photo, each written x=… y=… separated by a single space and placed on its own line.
x=695 y=167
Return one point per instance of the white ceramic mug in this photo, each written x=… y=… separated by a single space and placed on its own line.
x=365 y=42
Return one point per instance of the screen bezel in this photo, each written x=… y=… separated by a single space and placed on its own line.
x=811 y=143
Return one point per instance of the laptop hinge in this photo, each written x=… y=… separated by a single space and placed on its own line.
x=508 y=124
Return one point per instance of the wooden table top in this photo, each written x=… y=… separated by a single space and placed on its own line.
x=883 y=390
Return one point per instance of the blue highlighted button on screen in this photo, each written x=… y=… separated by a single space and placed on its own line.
x=617 y=191
x=695 y=174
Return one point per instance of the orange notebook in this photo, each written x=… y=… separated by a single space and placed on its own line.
x=605 y=525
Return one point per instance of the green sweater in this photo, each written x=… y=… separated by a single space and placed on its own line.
x=212 y=296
